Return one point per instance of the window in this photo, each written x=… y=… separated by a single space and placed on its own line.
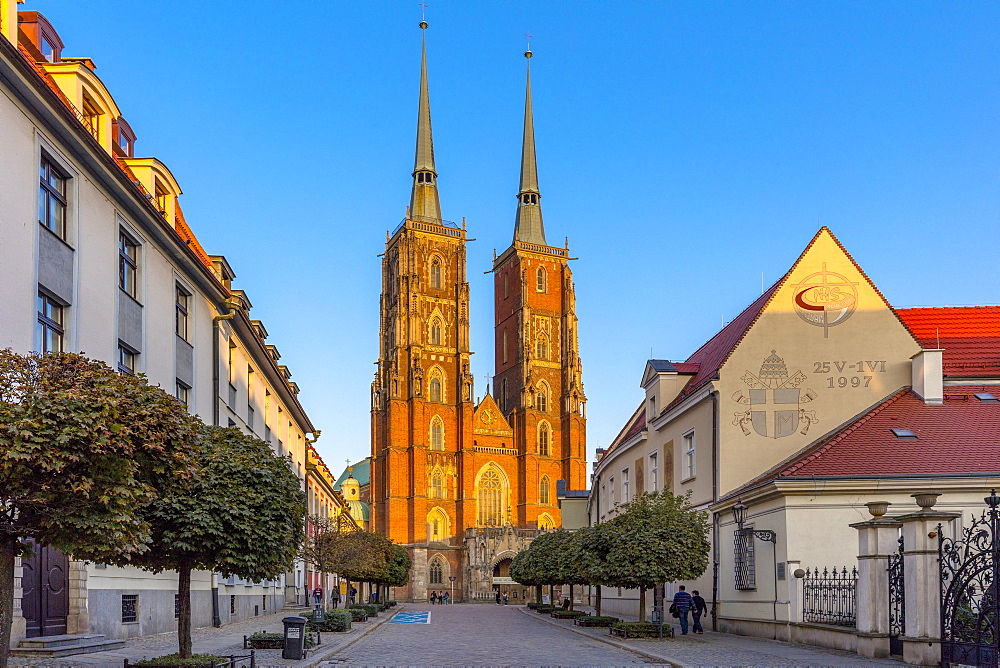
x=250 y=408
x=124 y=138
x=52 y=198
x=126 y=359
x=436 y=332
x=689 y=454
x=182 y=303
x=162 y=199
x=542 y=347
x=743 y=559
x=540 y=280
x=436 y=274
x=542 y=398
x=128 y=263
x=49 y=336
x=492 y=498
x=437 y=433
x=653 y=473
x=130 y=608
x=625 y=489
x=436 y=571
x=543 y=438
x=182 y=391
x=505 y=345
x=543 y=491
x=437 y=484
x=435 y=528
x=611 y=493
x=48 y=51
x=435 y=388
x=92 y=117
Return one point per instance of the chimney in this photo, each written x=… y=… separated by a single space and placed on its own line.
x=928 y=376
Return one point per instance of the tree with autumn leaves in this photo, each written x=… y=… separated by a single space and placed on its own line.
x=107 y=468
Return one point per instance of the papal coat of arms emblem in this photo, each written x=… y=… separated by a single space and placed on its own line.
x=775 y=400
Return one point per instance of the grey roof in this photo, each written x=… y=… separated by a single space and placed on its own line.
x=528 y=225
x=424 y=203
x=662 y=365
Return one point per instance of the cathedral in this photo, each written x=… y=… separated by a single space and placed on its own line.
x=462 y=485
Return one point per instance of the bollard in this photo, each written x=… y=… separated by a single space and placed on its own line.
x=295 y=638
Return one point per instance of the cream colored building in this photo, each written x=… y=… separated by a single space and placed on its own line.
x=790 y=409
x=98 y=258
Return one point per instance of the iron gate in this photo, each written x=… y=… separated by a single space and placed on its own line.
x=969 y=586
x=897 y=606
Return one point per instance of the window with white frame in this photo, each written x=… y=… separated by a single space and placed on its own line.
x=181 y=321
x=689 y=460
x=654 y=480
x=625 y=497
x=611 y=493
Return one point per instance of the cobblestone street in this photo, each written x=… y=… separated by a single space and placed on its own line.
x=490 y=635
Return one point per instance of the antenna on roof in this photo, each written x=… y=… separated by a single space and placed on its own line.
x=761 y=282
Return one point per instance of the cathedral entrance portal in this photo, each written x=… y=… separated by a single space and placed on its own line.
x=503 y=583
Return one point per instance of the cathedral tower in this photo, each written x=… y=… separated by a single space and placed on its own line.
x=538 y=381
x=422 y=393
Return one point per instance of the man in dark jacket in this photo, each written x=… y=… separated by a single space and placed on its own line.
x=700 y=608
x=682 y=605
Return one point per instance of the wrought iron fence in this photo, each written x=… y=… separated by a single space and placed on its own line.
x=743 y=559
x=897 y=604
x=829 y=597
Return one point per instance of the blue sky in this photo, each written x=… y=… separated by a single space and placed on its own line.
x=684 y=147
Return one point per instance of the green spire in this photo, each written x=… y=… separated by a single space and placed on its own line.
x=528 y=225
x=424 y=203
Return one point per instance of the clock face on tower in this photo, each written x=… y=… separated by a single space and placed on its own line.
x=488 y=417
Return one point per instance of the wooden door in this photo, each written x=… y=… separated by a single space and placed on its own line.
x=45 y=605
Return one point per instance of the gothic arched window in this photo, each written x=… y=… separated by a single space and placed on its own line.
x=542 y=347
x=437 y=433
x=543 y=438
x=436 y=332
x=437 y=572
x=540 y=279
x=436 y=274
x=543 y=491
x=492 y=497
x=542 y=398
x=437 y=484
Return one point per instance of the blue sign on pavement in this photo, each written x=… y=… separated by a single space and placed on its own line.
x=411 y=618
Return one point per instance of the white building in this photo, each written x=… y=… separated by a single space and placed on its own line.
x=97 y=258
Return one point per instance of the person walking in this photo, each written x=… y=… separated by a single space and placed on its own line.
x=335 y=597
x=505 y=598
x=681 y=606
x=434 y=598
x=354 y=594
x=497 y=596
x=447 y=598
x=699 y=608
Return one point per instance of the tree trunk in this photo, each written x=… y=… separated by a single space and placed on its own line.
x=7 y=548
x=642 y=604
x=538 y=594
x=571 y=597
x=184 y=618
x=597 y=607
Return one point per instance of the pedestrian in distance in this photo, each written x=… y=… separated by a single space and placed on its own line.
x=354 y=594
x=700 y=608
x=447 y=598
x=505 y=598
x=681 y=606
x=434 y=598
x=498 y=596
x=335 y=597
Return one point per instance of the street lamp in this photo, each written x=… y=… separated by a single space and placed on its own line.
x=451 y=579
x=745 y=537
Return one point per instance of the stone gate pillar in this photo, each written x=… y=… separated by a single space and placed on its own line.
x=922 y=581
x=877 y=540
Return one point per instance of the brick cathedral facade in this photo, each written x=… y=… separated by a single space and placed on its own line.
x=465 y=485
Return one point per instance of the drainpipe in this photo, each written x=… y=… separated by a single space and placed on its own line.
x=231 y=305
x=714 y=396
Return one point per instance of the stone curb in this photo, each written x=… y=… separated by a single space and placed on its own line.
x=349 y=642
x=608 y=640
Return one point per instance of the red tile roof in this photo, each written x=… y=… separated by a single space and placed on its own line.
x=635 y=424
x=969 y=335
x=960 y=436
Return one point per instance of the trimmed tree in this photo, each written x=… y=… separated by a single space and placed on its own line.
x=657 y=538
x=397 y=570
x=592 y=548
x=362 y=556
x=241 y=513
x=318 y=543
x=81 y=448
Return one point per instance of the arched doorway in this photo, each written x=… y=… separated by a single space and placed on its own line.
x=517 y=594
